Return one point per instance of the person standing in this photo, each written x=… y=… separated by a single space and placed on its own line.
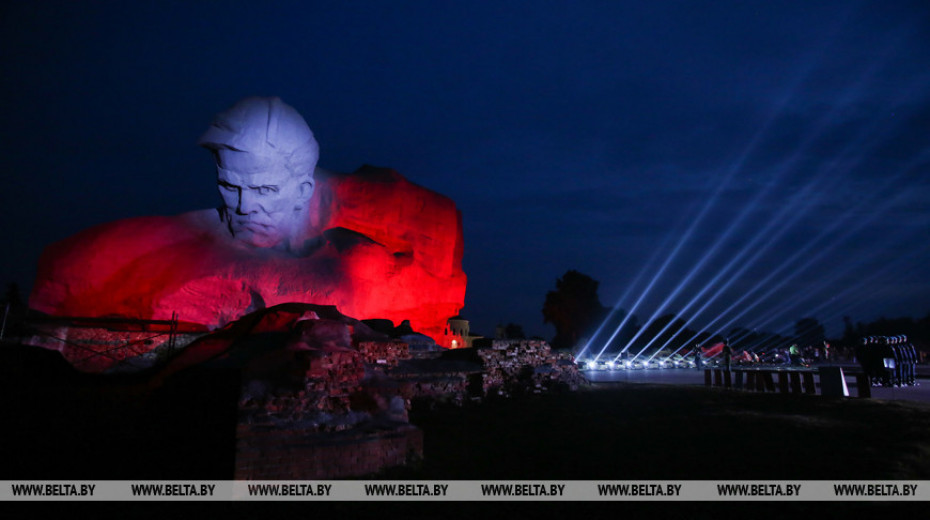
x=727 y=354
x=886 y=358
x=915 y=357
x=897 y=374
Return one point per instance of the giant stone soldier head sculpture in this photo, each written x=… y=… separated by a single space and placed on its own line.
x=265 y=157
x=370 y=243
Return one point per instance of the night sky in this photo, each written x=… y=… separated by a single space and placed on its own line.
x=751 y=161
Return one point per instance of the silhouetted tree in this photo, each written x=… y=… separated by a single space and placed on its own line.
x=514 y=331
x=849 y=331
x=809 y=331
x=890 y=327
x=573 y=307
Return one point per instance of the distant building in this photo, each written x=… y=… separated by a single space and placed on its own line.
x=457 y=333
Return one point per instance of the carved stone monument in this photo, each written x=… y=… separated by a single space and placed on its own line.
x=371 y=243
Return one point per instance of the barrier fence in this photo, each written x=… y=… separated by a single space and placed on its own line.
x=831 y=380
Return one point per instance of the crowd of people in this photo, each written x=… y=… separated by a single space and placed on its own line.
x=791 y=355
x=888 y=360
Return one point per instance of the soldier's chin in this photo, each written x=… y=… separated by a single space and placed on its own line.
x=257 y=239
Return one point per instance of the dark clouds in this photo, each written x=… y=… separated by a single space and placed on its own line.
x=571 y=136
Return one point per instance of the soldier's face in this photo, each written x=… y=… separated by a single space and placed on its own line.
x=263 y=207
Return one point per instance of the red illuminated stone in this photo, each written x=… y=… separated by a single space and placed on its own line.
x=389 y=249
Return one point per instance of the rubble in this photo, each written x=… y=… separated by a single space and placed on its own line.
x=384 y=353
x=316 y=385
x=526 y=366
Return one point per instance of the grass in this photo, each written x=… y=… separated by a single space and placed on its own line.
x=628 y=432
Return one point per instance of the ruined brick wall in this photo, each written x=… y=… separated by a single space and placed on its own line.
x=450 y=388
x=384 y=353
x=327 y=425
x=321 y=387
x=526 y=366
x=342 y=423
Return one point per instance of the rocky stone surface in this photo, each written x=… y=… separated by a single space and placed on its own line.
x=388 y=249
x=494 y=368
x=302 y=365
x=313 y=403
x=321 y=395
x=386 y=353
